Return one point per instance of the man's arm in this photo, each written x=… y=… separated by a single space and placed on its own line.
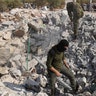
x=49 y=65
x=64 y=61
x=70 y=11
x=55 y=71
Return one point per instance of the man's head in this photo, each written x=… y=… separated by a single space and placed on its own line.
x=62 y=45
x=69 y=5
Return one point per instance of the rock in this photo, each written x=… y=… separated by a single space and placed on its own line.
x=34 y=76
x=2 y=42
x=7 y=78
x=31 y=84
x=65 y=34
x=46 y=29
x=35 y=25
x=17 y=57
x=4 y=70
x=42 y=80
x=94 y=93
x=55 y=19
x=45 y=8
x=7 y=36
x=68 y=94
x=32 y=63
x=87 y=94
x=82 y=81
x=15 y=72
x=4 y=55
x=19 y=33
x=41 y=94
x=8 y=23
x=94 y=62
x=14 y=11
x=1 y=85
x=1 y=33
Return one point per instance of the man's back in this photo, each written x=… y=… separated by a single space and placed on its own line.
x=75 y=8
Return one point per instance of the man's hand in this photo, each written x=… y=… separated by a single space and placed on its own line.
x=56 y=72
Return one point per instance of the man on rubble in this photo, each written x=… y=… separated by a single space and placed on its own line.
x=57 y=65
x=75 y=12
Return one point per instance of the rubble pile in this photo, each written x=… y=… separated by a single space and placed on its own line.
x=25 y=33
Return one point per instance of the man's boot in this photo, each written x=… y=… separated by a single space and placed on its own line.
x=77 y=87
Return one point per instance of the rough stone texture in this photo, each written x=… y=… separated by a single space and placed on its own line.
x=46 y=28
x=4 y=55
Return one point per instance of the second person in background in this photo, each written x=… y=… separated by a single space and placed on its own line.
x=75 y=12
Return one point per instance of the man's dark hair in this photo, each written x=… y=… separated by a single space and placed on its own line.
x=61 y=44
x=64 y=42
x=69 y=5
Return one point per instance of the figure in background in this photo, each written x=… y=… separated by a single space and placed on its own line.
x=75 y=12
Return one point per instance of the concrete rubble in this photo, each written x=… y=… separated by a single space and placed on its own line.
x=28 y=32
